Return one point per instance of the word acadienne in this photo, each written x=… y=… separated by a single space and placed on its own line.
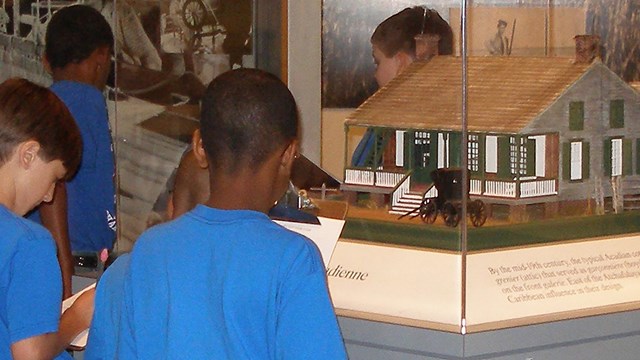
x=341 y=272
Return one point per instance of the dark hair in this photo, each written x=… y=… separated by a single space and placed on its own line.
x=247 y=114
x=74 y=33
x=29 y=111
x=397 y=32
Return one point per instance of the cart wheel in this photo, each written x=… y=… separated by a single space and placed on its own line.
x=428 y=212
x=194 y=13
x=450 y=214
x=477 y=213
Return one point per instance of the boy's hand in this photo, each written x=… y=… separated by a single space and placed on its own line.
x=82 y=309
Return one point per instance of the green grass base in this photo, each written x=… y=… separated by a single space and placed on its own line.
x=492 y=237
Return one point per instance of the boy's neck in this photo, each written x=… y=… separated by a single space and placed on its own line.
x=78 y=73
x=246 y=189
x=7 y=187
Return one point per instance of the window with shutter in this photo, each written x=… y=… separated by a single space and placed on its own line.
x=576 y=115
x=616 y=114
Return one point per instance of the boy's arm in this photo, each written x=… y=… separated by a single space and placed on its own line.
x=54 y=217
x=46 y=346
x=307 y=324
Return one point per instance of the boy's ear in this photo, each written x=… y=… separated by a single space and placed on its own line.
x=27 y=153
x=402 y=60
x=103 y=55
x=289 y=155
x=198 y=150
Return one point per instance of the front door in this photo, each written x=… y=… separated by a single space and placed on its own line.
x=422 y=155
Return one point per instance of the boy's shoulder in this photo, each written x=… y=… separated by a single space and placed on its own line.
x=17 y=230
x=77 y=95
x=206 y=221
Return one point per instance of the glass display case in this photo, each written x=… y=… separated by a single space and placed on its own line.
x=494 y=187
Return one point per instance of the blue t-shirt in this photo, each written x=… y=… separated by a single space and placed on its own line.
x=227 y=284
x=30 y=282
x=108 y=308
x=91 y=193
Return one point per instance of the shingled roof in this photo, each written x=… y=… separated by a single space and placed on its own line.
x=505 y=93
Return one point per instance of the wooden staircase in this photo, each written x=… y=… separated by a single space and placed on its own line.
x=410 y=201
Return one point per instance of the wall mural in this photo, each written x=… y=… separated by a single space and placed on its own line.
x=166 y=53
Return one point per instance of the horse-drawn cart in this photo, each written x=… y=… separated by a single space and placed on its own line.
x=448 y=202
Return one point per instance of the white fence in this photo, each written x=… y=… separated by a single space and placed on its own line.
x=538 y=188
x=386 y=179
x=497 y=188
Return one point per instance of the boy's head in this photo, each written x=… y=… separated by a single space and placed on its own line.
x=74 y=34
x=248 y=115
x=36 y=126
x=394 y=44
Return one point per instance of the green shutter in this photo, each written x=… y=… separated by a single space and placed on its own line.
x=606 y=157
x=531 y=157
x=408 y=149
x=566 y=161
x=627 y=157
x=504 y=161
x=616 y=114
x=576 y=115
x=455 y=139
x=585 y=160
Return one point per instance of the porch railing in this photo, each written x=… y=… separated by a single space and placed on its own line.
x=388 y=179
x=500 y=188
x=508 y=189
x=511 y=189
x=538 y=188
x=403 y=187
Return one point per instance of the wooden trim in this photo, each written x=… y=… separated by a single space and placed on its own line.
x=396 y=320
x=565 y=315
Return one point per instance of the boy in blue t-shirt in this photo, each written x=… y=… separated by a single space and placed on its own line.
x=82 y=215
x=223 y=281
x=40 y=145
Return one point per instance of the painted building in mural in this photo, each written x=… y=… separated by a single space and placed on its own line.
x=546 y=136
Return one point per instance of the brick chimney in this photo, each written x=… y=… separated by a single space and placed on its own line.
x=587 y=48
x=426 y=46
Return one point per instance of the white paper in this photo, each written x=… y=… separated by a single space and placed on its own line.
x=80 y=340
x=325 y=235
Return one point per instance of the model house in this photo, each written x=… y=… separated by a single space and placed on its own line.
x=533 y=127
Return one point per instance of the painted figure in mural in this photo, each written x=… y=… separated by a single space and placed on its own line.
x=394 y=48
x=499 y=43
x=252 y=308
x=82 y=216
x=208 y=37
x=41 y=146
x=132 y=42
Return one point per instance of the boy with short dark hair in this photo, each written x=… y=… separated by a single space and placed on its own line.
x=223 y=281
x=393 y=47
x=39 y=145
x=82 y=216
